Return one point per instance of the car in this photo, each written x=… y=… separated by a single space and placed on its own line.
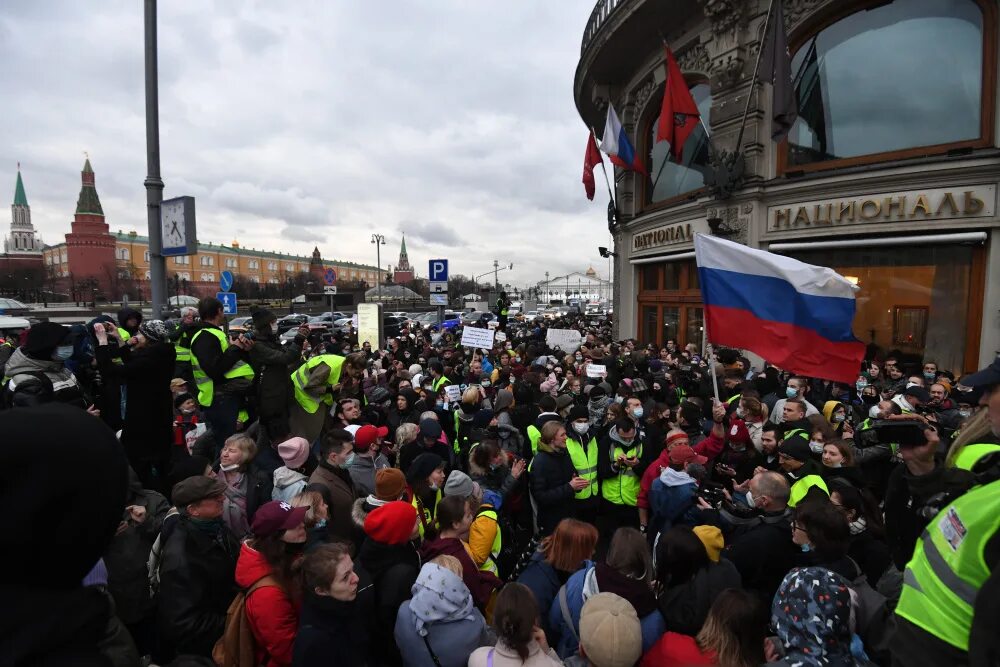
x=343 y=325
x=12 y=307
x=475 y=316
x=240 y=324
x=11 y=327
x=392 y=324
x=292 y=321
x=452 y=320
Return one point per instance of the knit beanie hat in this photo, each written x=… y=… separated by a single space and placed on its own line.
x=155 y=330
x=389 y=483
x=391 y=523
x=796 y=448
x=578 y=412
x=423 y=466
x=461 y=485
x=182 y=399
x=711 y=537
x=294 y=452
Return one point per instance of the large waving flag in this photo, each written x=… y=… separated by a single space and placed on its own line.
x=616 y=144
x=679 y=114
x=795 y=315
x=591 y=158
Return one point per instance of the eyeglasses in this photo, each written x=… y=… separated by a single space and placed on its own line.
x=797 y=526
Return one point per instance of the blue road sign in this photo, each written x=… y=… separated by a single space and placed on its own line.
x=330 y=276
x=438 y=271
x=228 y=300
x=226 y=281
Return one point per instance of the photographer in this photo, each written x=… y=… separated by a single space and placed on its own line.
x=920 y=487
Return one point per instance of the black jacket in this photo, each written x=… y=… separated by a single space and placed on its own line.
x=685 y=607
x=871 y=554
x=196 y=587
x=335 y=632
x=273 y=364
x=764 y=553
x=411 y=450
x=393 y=569
x=147 y=433
x=549 y=482
x=213 y=361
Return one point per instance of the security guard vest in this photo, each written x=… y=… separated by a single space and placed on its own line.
x=490 y=564
x=623 y=489
x=426 y=516
x=735 y=398
x=534 y=435
x=502 y=307
x=948 y=568
x=206 y=388
x=801 y=488
x=585 y=461
x=300 y=378
x=182 y=346
x=439 y=382
x=970 y=455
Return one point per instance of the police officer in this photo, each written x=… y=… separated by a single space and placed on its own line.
x=314 y=384
x=503 y=307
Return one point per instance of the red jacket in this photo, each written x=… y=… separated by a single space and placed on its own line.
x=651 y=475
x=273 y=617
x=674 y=650
x=710 y=447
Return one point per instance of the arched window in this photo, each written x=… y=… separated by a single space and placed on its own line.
x=123 y=254
x=891 y=81
x=668 y=179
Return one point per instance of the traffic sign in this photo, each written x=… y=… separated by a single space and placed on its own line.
x=329 y=289
x=330 y=276
x=439 y=299
x=228 y=300
x=439 y=286
x=438 y=271
x=226 y=281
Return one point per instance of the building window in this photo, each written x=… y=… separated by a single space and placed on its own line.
x=870 y=88
x=272 y=266
x=147 y=275
x=207 y=277
x=145 y=256
x=289 y=267
x=253 y=264
x=230 y=263
x=670 y=305
x=62 y=257
x=182 y=260
x=207 y=260
x=185 y=276
x=667 y=178
x=123 y=254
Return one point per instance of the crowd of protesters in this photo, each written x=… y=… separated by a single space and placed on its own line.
x=182 y=496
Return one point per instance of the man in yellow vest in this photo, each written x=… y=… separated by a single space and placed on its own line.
x=581 y=445
x=187 y=328
x=623 y=457
x=221 y=371
x=314 y=384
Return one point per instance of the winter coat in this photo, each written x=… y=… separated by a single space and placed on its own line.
x=196 y=587
x=286 y=484
x=336 y=632
x=505 y=656
x=496 y=479
x=67 y=626
x=273 y=364
x=685 y=606
x=652 y=623
x=273 y=617
x=677 y=650
x=672 y=500
x=452 y=639
x=339 y=525
x=128 y=552
x=480 y=583
x=147 y=434
x=257 y=486
x=871 y=554
x=393 y=569
x=363 y=470
x=549 y=480
x=544 y=581
x=764 y=553
x=411 y=450
x=64 y=383
x=509 y=437
x=651 y=475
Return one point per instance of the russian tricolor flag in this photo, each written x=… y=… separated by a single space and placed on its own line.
x=795 y=315
x=616 y=144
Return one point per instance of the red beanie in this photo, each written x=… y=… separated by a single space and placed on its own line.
x=391 y=523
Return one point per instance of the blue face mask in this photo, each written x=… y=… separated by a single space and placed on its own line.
x=349 y=461
x=860 y=386
x=806 y=548
x=929 y=376
x=791 y=392
x=321 y=523
x=638 y=412
x=63 y=352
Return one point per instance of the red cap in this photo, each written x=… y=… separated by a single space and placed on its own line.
x=738 y=432
x=684 y=454
x=391 y=523
x=367 y=435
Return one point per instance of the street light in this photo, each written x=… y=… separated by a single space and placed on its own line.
x=379 y=240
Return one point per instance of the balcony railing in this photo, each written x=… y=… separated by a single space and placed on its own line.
x=602 y=11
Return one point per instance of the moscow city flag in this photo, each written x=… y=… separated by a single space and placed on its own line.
x=679 y=114
x=795 y=315
x=591 y=159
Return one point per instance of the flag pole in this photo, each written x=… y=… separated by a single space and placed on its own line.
x=753 y=80
x=711 y=360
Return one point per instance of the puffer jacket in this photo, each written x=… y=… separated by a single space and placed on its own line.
x=23 y=371
x=273 y=617
x=287 y=484
x=551 y=492
x=685 y=606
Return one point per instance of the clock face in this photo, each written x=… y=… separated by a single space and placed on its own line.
x=172 y=226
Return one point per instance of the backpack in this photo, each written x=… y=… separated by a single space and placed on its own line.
x=507 y=559
x=237 y=646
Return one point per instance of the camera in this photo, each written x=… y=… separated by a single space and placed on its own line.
x=712 y=494
x=905 y=433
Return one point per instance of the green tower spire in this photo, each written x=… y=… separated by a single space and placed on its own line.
x=88 y=203
x=402 y=250
x=20 y=199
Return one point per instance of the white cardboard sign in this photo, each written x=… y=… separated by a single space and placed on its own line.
x=596 y=370
x=453 y=392
x=567 y=340
x=475 y=337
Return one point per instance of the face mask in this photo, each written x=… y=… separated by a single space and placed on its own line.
x=229 y=468
x=911 y=384
x=806 y=548
x=486 y=383
x=349 y=461
x=750 y=499
x=579 y=358
x=188 y=412
x=517 y=360
x=860 y=386
x=873 y=412
x=740 y=412
x=321 y=523
x=581 y=427
x=929 y=376
x=964 y=414
x=838 y=464
x=791 y=392
x=274 y=327
x=638 y=412
x=432 y=487
x=816 y=447
x=619 y=399
x=839 y=418
x=63 y=352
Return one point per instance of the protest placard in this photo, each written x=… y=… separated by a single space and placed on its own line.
x=474 y=337
x=596 y=370
x=453 y=392
x=501 y=337
x=566 y=340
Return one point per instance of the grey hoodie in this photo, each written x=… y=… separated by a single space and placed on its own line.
x=64 y=383
x=288 y=483
x=363 y=470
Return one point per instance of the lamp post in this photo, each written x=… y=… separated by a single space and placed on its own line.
x=153 y=182
x=379 y=240
x=546 y=286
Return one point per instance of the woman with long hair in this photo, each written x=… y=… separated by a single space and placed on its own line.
x=553 y=479
x=733 y=636
x=628 y=572
x=267 y=570
x=520 y=641
x=867 y=546
x=567 y=550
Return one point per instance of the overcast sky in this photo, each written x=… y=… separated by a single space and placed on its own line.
x=314 y=122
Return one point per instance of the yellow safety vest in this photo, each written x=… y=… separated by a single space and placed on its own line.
x=970 y=455
x=623 y=489
x=801 y=488
x=182 y=346
x=440 y=381
x=735 y=397
x=534 y=435
x=490 y=564
x=585 y=461
x=206 y=388
x=300 y=378
x=948 y=568
x=427 y=517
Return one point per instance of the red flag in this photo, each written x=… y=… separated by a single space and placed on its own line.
x=591 y=159
x=679 y=114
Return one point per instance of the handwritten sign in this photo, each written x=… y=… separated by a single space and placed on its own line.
x=453 y=392
x=596 y=370
x=566 y=340
x=501 y=337
x=473 y=337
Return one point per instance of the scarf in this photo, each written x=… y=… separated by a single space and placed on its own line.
x=603 y=579
x=208 y=526
x=439 y=596
x=859 y=526
x=811 y=614
x=596 y=408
